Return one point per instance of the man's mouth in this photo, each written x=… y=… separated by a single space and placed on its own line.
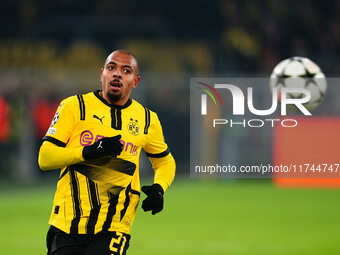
x=116 y=83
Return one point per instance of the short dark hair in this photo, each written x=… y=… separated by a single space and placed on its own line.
x=126 y=52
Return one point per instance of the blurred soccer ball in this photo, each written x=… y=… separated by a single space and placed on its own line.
x=300 y=72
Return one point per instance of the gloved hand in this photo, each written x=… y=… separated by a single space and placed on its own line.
x=103 y=147
x=154 y=200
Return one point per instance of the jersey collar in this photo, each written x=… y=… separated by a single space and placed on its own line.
x=96 y=93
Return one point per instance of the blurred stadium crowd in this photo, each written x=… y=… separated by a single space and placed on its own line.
x=50 y=50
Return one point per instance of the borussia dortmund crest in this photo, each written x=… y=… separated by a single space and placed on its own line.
x=133 y=127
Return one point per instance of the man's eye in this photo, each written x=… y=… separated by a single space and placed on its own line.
x=110 y=68
x=126 y=70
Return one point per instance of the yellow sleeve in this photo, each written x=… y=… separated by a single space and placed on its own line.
x=52 y=153
x=52 y=156
x=156 y=145
x=165 y=169
x=159 y=155
x=64 y=120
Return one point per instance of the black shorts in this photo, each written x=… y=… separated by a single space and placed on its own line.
x=103 y=243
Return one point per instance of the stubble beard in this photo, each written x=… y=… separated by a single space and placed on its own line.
x=114 y=97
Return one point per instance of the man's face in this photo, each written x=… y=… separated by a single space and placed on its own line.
x=118 y=77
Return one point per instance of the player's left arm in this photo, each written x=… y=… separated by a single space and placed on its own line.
x=163 y=164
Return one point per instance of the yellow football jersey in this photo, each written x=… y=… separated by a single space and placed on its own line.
x=84 y=206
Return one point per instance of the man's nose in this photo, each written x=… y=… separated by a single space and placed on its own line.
x=117 y=73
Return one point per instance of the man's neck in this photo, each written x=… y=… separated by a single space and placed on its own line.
x=120 y=102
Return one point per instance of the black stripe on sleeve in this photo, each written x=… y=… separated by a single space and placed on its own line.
x=135 y=192
x=147 y=120
x=54 y=141
x=81 y=107
x=76 y=203
x=126 y=202
x=95 y=206
x=113 y=201
x=158 y=155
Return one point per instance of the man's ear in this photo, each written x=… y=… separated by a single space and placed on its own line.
x=137 y=80
x=101 y=76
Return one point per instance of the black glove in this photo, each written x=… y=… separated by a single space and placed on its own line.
x=103 y=147
x=154 y=200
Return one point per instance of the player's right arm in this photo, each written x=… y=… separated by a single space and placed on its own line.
x=53 y=153
x=52 y=156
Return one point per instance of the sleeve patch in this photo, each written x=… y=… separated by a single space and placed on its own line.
x=51 y=131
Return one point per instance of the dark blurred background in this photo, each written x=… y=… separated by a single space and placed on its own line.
x=53 y=49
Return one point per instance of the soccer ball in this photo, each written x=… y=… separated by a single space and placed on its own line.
x=300 y=72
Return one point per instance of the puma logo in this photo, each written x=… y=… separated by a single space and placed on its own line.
x=100 y=119
x=100 y=145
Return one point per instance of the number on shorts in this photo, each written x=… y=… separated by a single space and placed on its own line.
x=117 y=244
